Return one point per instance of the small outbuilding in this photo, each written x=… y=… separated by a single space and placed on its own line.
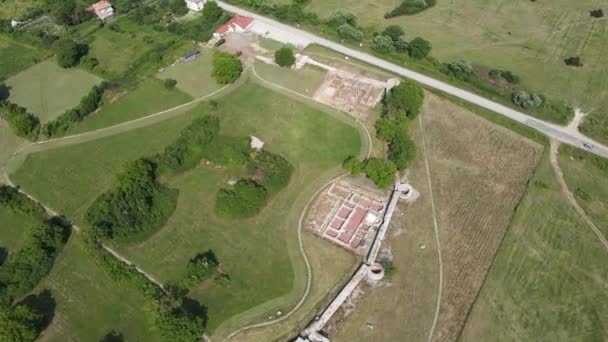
x=103 y=9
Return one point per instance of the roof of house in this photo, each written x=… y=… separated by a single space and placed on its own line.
x=103 y=4
x=239 y=20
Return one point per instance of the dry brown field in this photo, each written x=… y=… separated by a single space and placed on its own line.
x=479 y=172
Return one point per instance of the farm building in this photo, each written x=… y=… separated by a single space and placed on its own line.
x=195 y=5
x=237 y=24
x=103 y=9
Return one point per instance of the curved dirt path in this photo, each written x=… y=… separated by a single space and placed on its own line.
x=554 y=150
x=437 y=239
x=300 y=241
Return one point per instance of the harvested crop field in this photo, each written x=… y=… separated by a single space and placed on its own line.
x=479 y=173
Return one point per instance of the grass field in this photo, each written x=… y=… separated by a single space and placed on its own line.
x=17 y=56
x=194 y=77
x=304 y=81
x=119 y=49
x=17 y=8
x=548 y=282
x=528 y=38
x=47 y=90
x=258 y=254
x=148 y=98
x=88 y=303
x=473 y=163
x=586 y=176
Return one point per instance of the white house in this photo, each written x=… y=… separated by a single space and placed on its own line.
x=195 y=5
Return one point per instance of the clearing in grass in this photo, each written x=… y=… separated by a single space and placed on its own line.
x=548 y=279
x=13 y=230
x=16 y=56
x=472 y=163
x=193 y=77
x=255 y=252
x=148 y=98
x=47 y=90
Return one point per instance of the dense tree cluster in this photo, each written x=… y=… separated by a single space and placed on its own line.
x=18 y=323
x=272 y=171
x=88 y=104
x=136 y=206
x=227 y=67
x=22 y=123
x=391 y=39
x=19 y=203
x=505 y=75
x=409 y=7
x=381 y=172
x=69 y=52
x=284 y=57
x=526 y=100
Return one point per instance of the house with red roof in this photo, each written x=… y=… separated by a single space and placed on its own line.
x=103 y=9
x=239 y=23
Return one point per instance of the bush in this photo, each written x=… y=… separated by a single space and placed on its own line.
x=200 y=268
x=227 y=151
x=246 y=199
x=409 y=7
x=527 y=101
x=383 y=44
x=169 y=83
x=222 y=280
x=381 y=172
x=352 y=165
x=407 y=96
x=393 y=31
x=227 y=68
x=461 y=70
x=419 y=48
x=270 y=170
x=573 y=61
x=284 y=57
x=340 y=18
x=598 y=13
x=22 y=123
x=134 y=207
x=25 y=268
x=68 y=52
x=19 y=203
x=346 y=31
x=176 y=324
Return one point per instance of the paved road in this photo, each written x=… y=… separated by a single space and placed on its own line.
x=551 y=130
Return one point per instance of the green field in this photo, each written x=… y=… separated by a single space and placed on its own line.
x=88 y=303
x=548 y=282
x=47 y=90
x=17 y=56
x=13 y=228
x=193 y=77
x=530 y=38
x=304 y=81
x=148 y=98
x=17 y=8
x=586 y=176
x=259 y=254
x=119 y=49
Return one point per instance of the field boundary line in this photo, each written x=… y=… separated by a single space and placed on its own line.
x=300 y=241
x=566 y=191
x=436 y=227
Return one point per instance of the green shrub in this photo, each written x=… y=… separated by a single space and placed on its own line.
x=200 y=268
x=227 y=151
x=22 y=123
x=353 y=165
x=227 y=67
x=383 y=44
x=393 y=31
x=346 y=31
x=222 y=280
x=136 y=206
x=19 y=203
x=270 y=170
x=176 y=324
x=410 y=7
x=169 y=83
x=68 y=52
x=527 y=101
x=244 y=200
x=19 y=323
x=419 y=48
x=341 y=17
x=381 y=172
x=408 y=97
x=284 y=57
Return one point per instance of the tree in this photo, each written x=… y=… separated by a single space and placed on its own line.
x=407 y=96
x=284 y=57
x=200 y=268
x=527 y=101
x=393 y=31
x=346 y=31
x=245 y=200
x=352 y=165
x=227 y=68
x=574 y=61
x=381 y=172
x=169 y=83
x=211 y=11
x=419 y=48
x=270 y=170
x=68 y=52
x=62 y=11
x=341 y=17
x=179 y=7
x=383 y=44
x=176 y=325
x=18 y=323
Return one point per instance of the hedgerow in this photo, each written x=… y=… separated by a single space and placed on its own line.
x=22 y=123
